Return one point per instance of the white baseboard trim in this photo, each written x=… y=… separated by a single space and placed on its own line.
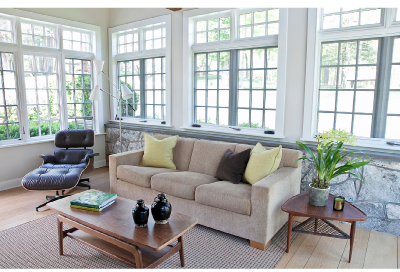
x=98 y=164
x=9 y=184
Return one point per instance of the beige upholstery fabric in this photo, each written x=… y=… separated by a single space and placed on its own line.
x=289 y=156
x=182 y=151
x=139 y=175
x=225 y=195
x=207 y=155
x=181 y=184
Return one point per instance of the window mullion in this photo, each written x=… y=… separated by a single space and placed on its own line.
x=142 y=90
x=233 y=79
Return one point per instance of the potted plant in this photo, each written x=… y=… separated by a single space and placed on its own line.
x=331 y=151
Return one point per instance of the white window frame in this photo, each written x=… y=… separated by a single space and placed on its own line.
x=18 y=49
x=114 y=57
x=314 y=39
x=190 y=48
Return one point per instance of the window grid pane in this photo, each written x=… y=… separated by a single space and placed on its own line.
x=129 y=74
x=257 y=83
x=128 y=41
x=6 y=31
x=38 y=35
x=77 y=40
x=259 y=23
x=347 y=86
x=41 y=84
x=9 y=125
x=393 y=112
x=211 y=88
x=154 y=37
x=217 y=29
x=78 y=78
x=155 y=88
x=342 y=18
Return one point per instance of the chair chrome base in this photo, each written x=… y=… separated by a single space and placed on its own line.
x=51 y=199
x=81 y=184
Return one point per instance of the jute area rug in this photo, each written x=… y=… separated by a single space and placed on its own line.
x=35 y=245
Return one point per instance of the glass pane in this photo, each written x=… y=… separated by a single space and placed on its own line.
x=9 y=80
x=328 y=78
x=258 y=79
x=245 y=19
x=243 y=118
x=31 y=96
x=364 y=102
x=273 y=15
x=224 y=22
x=343 y=121
x=224 y=80
x=395 y=77
x=350 y=19
x=12 y=114
x=7 y=61
x=347 y=76
x=200 y=115
x=201 y=37
x=270 y=119
x=42 y=96
x=244 y=59
x=245 y=32
x=54 y=112
x=396 y=49
x=345 y=101
x=329 y=53
x=366 y=77
x=368 y=52
x=260 y=17
x=224 y=59
x=331 y=21
x=270 y=99
x=200 y=98
x=259 y=58
x=223 y=117
x=256 y=118
x=348 y=53
x=271 y=79
x=212 y=61
x=212 y=24
x=259 y=30
x=212 y=80
x=13 y=130
x=212 y=36
x=394 y=102
x=149 y=82
x=371 y=17
x=392 y=127
x=362 y=125
x=149 y=111
x=149 y=66
x=223 y=98
x=273 y=29
x=149 y=97
x=325 y=121
x=201 y=25
x=327 y=100
x=200 y=80
x=244 y=79
x=45 y=128
x=33 y=129
x=257 y=98
x=212 y=98
x=272 y=57
x=212 y=116
x=158 y=112
x=243 y=100
x=32 y=113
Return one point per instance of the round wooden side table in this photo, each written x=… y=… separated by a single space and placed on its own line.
x=318 y=223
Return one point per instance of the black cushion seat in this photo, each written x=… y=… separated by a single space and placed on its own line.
x=54 y=165
x=52 y=178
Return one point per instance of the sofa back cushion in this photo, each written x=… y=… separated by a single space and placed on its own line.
x=289 y=156
x=182 y=151
x=207 y=155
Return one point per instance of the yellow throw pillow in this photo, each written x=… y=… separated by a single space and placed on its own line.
x=159 y=153
x=262 y=162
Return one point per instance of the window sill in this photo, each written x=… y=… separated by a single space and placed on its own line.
x=142 y=124
x=23 y=143
x=234 y=132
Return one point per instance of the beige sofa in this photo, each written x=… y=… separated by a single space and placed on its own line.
x=249 y=211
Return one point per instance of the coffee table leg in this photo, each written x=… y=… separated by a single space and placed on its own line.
x=352 y=234
x=289 y=233
x=181 y=253
x=60 y=236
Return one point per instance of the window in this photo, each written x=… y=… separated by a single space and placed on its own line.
x=142 y=53
x=260 y=23
x=6 y=31
x=38 y=35
x=393 y=111
x=42 y=96
x=216 y=29
x=236 y=85
x=78 y=78
x=346 y=17
x=154 y=37
x=9 y=125
x=128 y=41
x=77 y=40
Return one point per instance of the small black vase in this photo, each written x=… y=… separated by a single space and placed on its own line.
x=140 y=214
x=161 y=209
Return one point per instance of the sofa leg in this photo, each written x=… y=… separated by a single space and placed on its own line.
x=259 y=245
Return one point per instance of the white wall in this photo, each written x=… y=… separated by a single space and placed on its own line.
x=17 y=161
x=296 y=52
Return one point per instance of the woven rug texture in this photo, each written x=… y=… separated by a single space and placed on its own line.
x=35 y=245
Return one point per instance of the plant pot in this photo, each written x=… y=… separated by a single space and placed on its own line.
x=318 y=197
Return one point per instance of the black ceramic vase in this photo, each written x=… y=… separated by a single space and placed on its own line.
x=161 y=209
x=140 y=214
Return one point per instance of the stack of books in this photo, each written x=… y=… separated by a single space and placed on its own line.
x=93 y=201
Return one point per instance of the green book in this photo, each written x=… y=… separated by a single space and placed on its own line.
x=91 y=209
x=94 y=199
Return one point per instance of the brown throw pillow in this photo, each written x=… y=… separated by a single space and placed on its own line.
x=232 y=165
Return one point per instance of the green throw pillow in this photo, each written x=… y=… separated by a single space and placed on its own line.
x=262 y=162
x=159 y=153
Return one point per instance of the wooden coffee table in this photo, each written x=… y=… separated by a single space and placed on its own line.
x=317 y=223
x=114 y=233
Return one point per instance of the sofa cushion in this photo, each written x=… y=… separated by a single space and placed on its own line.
x=232 y=165
x=139 y=175
x=182 y=151
x=207 y=155
x=159 y=153
x=180 y=184
x=226 y=195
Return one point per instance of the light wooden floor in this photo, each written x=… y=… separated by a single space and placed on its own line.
x=372 y=249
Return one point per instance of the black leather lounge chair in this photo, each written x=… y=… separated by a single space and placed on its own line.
x=63 y=170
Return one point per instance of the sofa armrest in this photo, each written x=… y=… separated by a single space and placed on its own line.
x=48 y=158
x=126 y=158
x=267 y=197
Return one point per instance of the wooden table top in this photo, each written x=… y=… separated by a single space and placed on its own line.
x=298 y=205
x=117 y=221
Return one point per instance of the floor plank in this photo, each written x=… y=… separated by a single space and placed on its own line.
x=293 y=249
x=381 y=251
x=304 y=252
x=359 y=249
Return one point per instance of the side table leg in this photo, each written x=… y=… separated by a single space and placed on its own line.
x=181 y=253
x=289 y=233
x=60 y=236
x=352 y=234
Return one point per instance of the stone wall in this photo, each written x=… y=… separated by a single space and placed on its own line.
x=378 y=197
